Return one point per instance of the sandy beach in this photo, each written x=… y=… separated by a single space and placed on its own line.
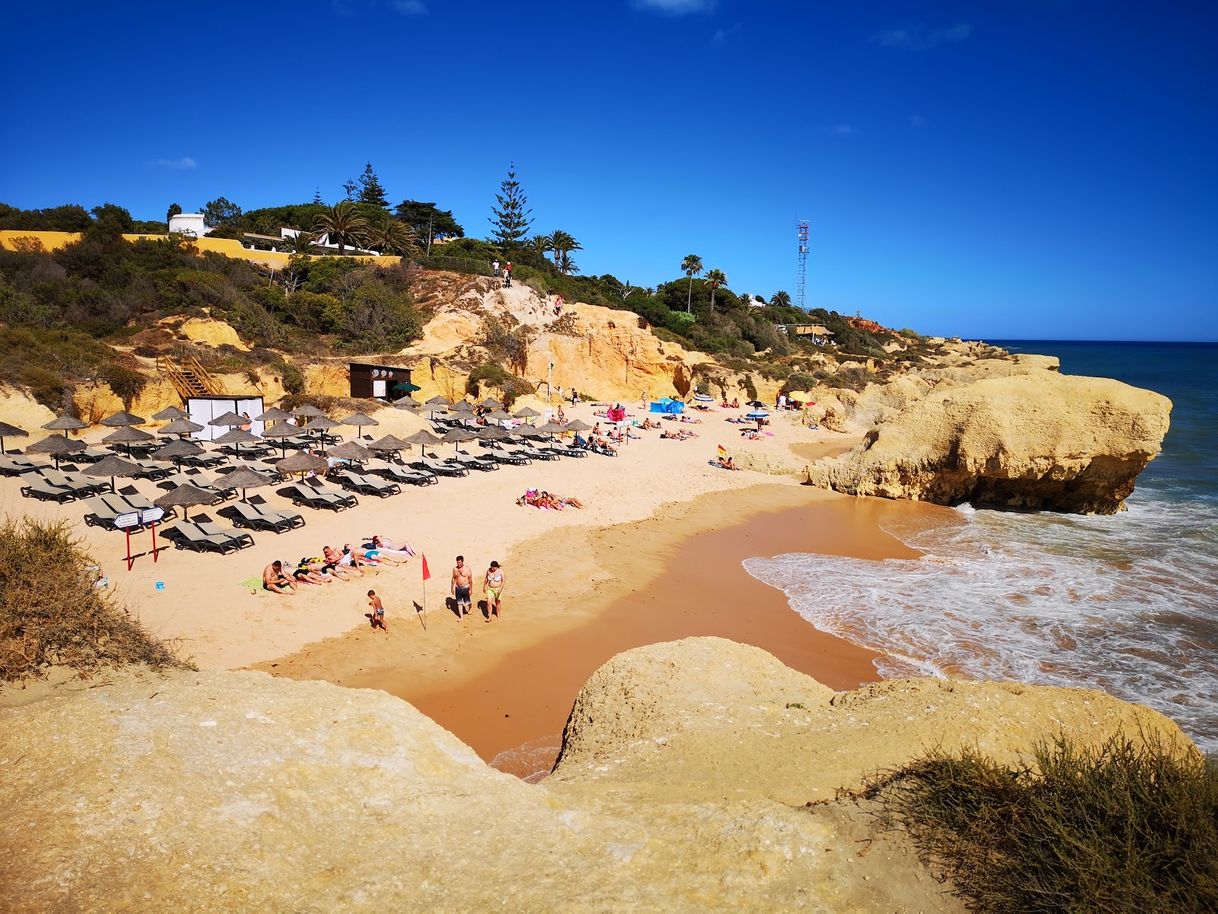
x=654 y=556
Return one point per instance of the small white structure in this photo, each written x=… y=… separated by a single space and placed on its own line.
x=188 y=224
x=323 y=241
x=754 y=302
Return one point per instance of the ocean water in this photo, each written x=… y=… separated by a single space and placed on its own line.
x=1127 y=603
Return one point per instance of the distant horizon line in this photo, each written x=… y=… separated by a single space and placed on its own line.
x=1012 y=339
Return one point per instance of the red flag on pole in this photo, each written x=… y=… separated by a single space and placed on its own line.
x=426 y=570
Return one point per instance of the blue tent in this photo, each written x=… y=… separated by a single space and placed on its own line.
x=667 y=405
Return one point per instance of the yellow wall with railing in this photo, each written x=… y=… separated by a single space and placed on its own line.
x=229 y=247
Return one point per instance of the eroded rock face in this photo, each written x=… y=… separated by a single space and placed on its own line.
x=681 y=788
x=1040 y=441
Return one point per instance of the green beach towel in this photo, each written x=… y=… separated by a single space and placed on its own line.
x=254 y=584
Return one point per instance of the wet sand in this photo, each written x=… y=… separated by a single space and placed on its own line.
x=578 y=596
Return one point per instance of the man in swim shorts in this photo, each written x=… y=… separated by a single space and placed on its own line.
x=274 y=580
x=492 y=586
x=461 y=585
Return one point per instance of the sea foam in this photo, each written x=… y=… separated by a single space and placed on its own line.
x=1124 y=603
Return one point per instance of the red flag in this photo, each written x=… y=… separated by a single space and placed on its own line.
x=426 y=570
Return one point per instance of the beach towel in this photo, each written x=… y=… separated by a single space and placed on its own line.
x=253 y=585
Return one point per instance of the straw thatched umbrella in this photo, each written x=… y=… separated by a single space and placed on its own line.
x=499 y=415
x=408 y=402
x=493 y=433
x=127 y=435
x=387 y=443
x=526 y=412
x=550 y=428
x=10 y=431
x=283 y=431
x=176 y=450
x=122 y=418
x=359 y=419
x=236 y=437
x=490 y=403
x=351 y=450
x=439 y=400
x=230 y=419
x=462 y=406
x=168 y=414
x=457 y=435
x=302 y=462
x=112 y=466
x=179 y=427
x=423 y=438
x=578 y=425
x=244 y=478
x=321 y=424
x=529 y=431
x=56 y=446
x=65 y=423
x=274 y=414
x=185 y=496
x=308 y=411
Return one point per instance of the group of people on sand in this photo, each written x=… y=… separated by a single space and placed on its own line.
x=461 y=587
x=335 y=565
x=680 y=434
x=544 y=500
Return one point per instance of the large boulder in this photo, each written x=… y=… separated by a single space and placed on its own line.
x=1042 y=441
x=681 y=787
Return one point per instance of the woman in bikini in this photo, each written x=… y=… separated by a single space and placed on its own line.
x=492 y=587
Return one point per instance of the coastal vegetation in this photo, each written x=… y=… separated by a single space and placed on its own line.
x=1121 y=827
x=53 y=613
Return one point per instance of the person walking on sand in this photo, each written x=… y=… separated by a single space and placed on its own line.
x=495 y=266
x=492 y=587
x=378 y=611
x=460 y=586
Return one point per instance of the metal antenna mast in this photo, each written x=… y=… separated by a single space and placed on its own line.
x=801 y=272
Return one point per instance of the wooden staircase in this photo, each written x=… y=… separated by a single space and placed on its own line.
x=188 y=377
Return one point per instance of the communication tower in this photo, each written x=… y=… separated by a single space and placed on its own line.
x=801 y=271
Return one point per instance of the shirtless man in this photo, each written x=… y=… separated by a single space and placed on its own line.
x=339 y=565
x=460 y=586
x=492 y=586
x=274 y=580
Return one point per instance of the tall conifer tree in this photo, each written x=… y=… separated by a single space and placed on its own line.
x=511 y=216
x=370 y=190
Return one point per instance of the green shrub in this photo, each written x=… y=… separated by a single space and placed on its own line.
x=51 y=612
x=293 y=379
x=490 y=374
x=1121 y=828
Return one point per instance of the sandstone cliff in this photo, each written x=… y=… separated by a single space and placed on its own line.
x=681 y=787
x=1036 y=441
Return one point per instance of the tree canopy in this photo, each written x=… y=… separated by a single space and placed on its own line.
x=423 y=216
x=511 y=214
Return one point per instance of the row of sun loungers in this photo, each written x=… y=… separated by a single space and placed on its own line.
x=202 y=534
x=254 y=515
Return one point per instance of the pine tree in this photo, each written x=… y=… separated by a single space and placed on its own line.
x=317 y=200
x=511 y=216
x=370 y=190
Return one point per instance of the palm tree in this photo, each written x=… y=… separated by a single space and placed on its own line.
x=343 y=223
x=780 y=299
x=540 y=245
x=562 y=244
x=565 y=264
x=389 y=236
x=715 y=278
x=691 y=266
x=302 y=242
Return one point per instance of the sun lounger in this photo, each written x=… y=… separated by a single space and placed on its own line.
x=409 y=477
x=366 y=485
x=153 y=470
x=211 y=528
x=468 y=460
x=15 y=466
x=244 y=514
x=187 y=534
x=503 y=455
x=203 y=460
x=438 y=467
x=83 y=486
x=199 y=481
x=90 y=454
x=43 y=489
x=536 y=453
x=319 y=498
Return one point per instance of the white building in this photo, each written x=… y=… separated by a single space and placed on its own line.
x=188 y=224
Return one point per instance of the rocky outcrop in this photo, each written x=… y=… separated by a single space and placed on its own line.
x=1040 y=441
x=681 y=787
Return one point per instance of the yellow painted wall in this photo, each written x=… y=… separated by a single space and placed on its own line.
x=229 y=247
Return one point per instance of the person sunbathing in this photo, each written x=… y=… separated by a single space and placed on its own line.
x=727 y=463
x=371 y=557
x=394 y=548
x=309 y=571
x=274 y=580
x=341 y=565
x=735 y=404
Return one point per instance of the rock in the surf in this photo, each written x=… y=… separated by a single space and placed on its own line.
x=1042 y=441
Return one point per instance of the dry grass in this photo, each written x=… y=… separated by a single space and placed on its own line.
x=1126 y=827
x=51 y=614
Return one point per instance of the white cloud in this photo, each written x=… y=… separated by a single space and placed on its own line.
x=722 y=35
x=841 y=130
x=410 y=7
x=183 y=164
x=676 y=7
x=918 y=121
x=918 y=37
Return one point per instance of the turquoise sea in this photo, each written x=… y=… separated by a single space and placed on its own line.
x=1127 y=603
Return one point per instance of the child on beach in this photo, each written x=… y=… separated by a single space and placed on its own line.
x=378 y=611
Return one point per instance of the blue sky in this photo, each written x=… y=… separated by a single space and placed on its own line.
x=1021 y=169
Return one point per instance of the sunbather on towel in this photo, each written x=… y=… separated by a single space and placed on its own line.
x=374 y=553
x=274 y=580
x=398 y=549
x=310 y=572
x=341 y=565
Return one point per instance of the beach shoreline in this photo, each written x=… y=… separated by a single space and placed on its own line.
x=675 y=574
